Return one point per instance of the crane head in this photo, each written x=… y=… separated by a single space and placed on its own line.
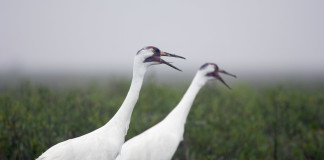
x=152 y=56
x=212 y=70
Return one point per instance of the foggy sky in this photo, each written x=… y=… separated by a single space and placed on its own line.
x=249 y=36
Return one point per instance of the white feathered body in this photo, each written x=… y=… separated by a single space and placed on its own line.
x=159 y=143
x=101 y=144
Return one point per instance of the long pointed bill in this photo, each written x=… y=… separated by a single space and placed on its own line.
x=216 y=75
x=171 y=55
x=160 y=60
x=222 y=71
x=167 y=63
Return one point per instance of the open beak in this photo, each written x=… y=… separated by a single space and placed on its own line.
x=167 y=63
x=171 y=55
x=222 y=71
x=217 y=76
x=159 y=59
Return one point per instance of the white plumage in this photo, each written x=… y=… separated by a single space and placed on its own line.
x=161 y=141
x=105 y=142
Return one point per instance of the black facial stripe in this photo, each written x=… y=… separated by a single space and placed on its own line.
x=204 y=66
x=139 y=51
x=210 y=74
x=216 y=67
x=157 y=50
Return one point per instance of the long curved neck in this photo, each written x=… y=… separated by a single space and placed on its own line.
x=180 y=113
x=124 y=113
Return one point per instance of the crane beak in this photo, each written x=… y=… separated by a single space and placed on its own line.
x=222 y=71
x=217 y=76
x=167 y=63
x=156 y=58
x=171 y=55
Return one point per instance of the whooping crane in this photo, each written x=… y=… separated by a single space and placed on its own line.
x=161 y=141
x=105 y=143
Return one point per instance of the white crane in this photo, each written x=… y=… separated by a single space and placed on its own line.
x=105 y=143
x=161 y=141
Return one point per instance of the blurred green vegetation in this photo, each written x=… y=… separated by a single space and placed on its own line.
x=242 y=123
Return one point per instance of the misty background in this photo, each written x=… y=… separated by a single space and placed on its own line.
x=66 y=67
x=256 y=40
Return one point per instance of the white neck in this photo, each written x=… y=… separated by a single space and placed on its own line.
x=179 y=114
x=123 y=115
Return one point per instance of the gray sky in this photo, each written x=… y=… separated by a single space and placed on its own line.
x=244 y=37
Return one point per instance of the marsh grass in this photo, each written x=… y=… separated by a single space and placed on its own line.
x=244 y=123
